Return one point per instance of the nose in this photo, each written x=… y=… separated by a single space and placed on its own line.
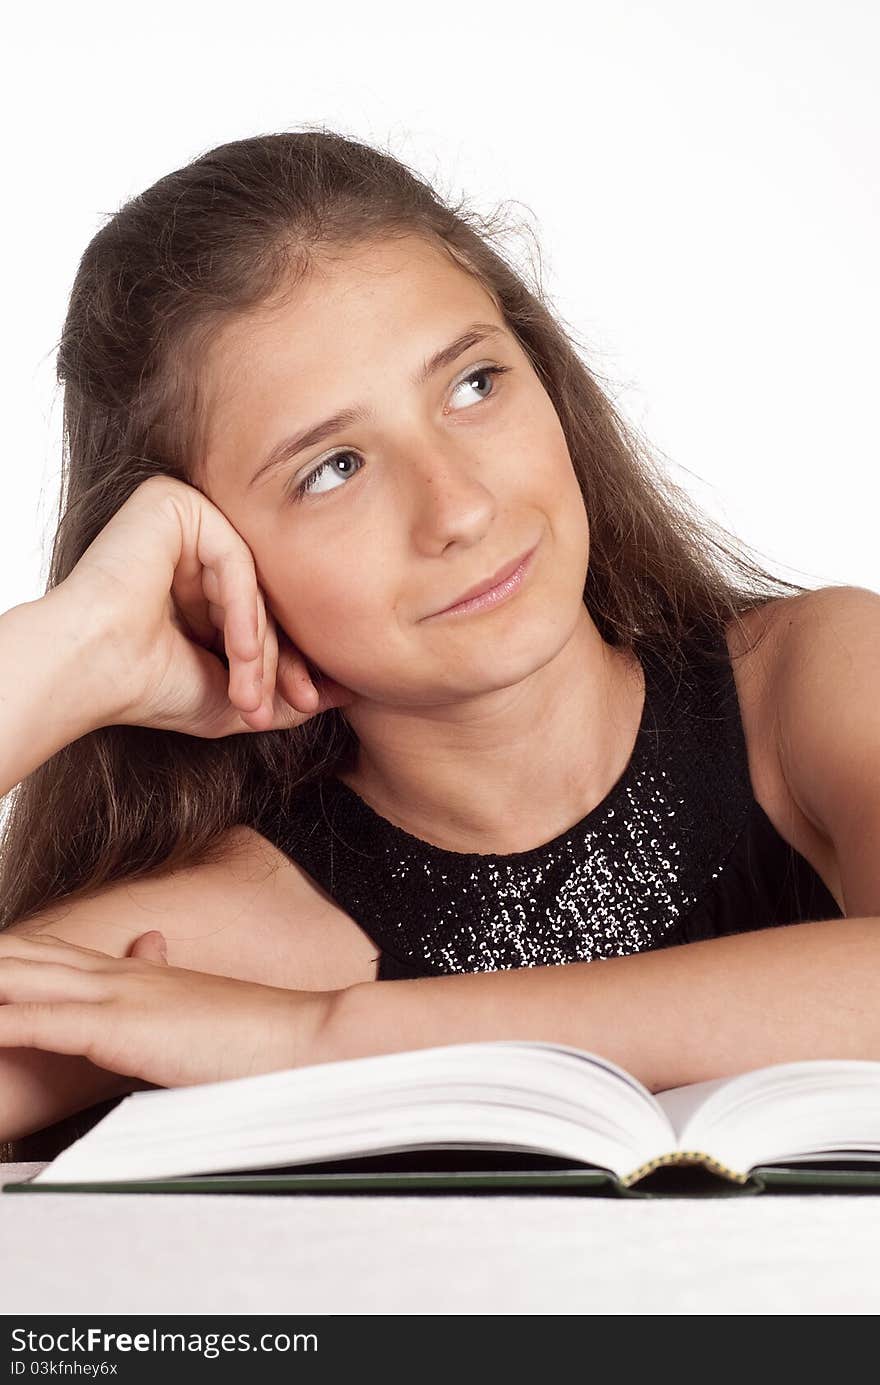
x=450 y=494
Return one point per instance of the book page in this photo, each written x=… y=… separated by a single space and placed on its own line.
x=816 y=1107
x=681 y=1103
x=504 y=1094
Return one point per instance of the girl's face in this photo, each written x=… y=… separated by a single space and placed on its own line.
x=431 y=485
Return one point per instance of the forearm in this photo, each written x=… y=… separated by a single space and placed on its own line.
x=39 y=1088
x=680 y=1015
x=52 y=687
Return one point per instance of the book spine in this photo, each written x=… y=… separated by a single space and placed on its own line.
x=684 y=1157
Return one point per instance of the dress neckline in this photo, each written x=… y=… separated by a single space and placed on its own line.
x=384 y=835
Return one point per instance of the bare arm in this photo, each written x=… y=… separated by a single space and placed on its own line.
x=238 y=916
x=54 y=686
x=683 y=1014
x=51 y=693
x=37 y=1089
x=121 y=642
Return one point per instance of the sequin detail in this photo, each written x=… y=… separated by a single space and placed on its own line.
x=620 y=881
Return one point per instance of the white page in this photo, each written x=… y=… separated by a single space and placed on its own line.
x=773 y=1114
x=681 y=1103
x=506 y=1093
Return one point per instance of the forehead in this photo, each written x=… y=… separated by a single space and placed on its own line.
x=355 y=295
x=357 y=314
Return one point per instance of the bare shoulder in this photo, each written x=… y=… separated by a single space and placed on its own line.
x=816 y=635
x=826 y=676
x=807 y=693
x=773 y=645
x=759 y=641
x=843 y=616
x=755 y=635
x=768 y=640
x=754 y=640
x=250 y=912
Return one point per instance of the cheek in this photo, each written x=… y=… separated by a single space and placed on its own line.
x=329 y=608
x=567 y=517
x=557 y=488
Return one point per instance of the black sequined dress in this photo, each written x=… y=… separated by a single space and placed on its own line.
x=679 y=850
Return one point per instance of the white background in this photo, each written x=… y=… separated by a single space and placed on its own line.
x=702 y=180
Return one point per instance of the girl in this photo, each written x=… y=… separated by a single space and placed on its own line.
x=311 y=414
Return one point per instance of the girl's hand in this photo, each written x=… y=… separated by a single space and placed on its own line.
x=176 y=588
x=139 y=1017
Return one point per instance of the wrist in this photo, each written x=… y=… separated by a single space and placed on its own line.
x=52 y=690
x=88 y=674
x=336 y=1032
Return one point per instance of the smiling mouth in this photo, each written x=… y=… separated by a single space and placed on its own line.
x=503 y=587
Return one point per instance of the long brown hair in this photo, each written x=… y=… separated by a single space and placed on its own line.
x=231 y=231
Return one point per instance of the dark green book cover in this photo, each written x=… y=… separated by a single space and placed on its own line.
x=490 y=1172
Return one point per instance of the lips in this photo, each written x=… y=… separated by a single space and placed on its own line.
x=482 y=587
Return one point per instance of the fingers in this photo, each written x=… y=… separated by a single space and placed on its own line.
x=230 y=582
x=245 y=672
x=46 y=1003
x=270 y=676
x=283 y=669
x=42 y=949
x=259 y=718
x=19 y=945
x=190 y=598
x=151 y=947
x=49 y=990
x=48 y=1025
x=217 y=569
x=287 y=683
x=24 y=979
x=293 y=680
x=215 y=586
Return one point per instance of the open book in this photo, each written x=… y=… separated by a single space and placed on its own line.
x=503 y=1114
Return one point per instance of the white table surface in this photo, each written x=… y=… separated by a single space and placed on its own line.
x=230 y=1253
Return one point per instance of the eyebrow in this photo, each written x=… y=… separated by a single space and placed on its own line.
x=317 y=432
